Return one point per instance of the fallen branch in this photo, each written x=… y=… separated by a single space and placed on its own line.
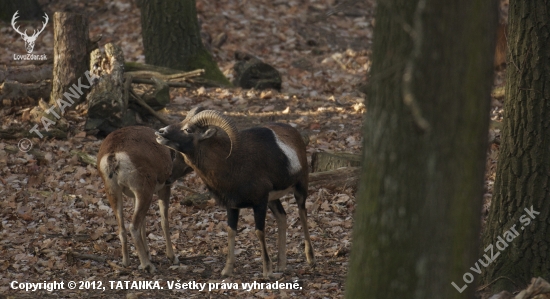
x=149 y=109
x=181 y=75
x=151 y=82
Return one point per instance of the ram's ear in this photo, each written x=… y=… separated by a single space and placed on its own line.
x=208 y=133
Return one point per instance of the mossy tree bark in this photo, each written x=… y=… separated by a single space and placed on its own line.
x=171 y=38
x=523 y=169
x=425 y=131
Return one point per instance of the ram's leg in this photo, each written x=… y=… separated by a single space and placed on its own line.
x=259 y=219
x=280 y=215
x=232 y=220
x=164 y=202
x=301 y=194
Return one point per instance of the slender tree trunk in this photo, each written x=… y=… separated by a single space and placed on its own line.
x=171 y=38
x=425 y=131
x=70 y=54
x=523 y=169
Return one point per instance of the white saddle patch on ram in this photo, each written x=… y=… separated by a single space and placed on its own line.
x=293 y=161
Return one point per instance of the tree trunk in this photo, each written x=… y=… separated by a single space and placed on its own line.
x=171 y=38
x=522 y=175
x=418 y=213
x=28 y=10
x=70 y=54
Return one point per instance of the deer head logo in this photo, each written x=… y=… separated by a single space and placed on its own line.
x=29 y=40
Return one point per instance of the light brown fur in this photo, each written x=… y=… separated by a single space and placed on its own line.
x=130 y=161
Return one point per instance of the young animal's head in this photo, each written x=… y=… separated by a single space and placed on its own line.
x=198 y=126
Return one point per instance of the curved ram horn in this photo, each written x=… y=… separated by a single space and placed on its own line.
x=215 y=118
x=193 y=111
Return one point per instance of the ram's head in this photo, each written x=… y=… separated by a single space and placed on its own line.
x=196 y=127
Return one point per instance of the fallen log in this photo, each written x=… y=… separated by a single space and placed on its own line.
x=85 y=158
x=325 y=161
x=135 y=66
x=26 y=73
x=18 y=133
x=12 y=93
x=337 y=178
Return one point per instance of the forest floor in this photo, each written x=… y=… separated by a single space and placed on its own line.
x=51 y=211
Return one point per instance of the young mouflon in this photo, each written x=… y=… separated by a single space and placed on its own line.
x=130 y=161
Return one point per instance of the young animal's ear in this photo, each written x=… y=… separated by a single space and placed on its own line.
x=209 y=133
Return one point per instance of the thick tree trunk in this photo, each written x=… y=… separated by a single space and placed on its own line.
x=418 y=215
x=523 y=169
x=28 y=10
x=171 y=38
x=70 y=53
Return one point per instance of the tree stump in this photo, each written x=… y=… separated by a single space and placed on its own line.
x=158 y=97
x=251 y=72
x=325 y=161
x=107 y=100
x=70 y=54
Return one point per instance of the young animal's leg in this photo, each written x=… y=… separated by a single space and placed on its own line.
x=142 y=204
x=232 y=220
x=259 y=219
x=115 y=200
x=300 y=195
x=280 y=215
x=164 y=201
x=143 y=234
